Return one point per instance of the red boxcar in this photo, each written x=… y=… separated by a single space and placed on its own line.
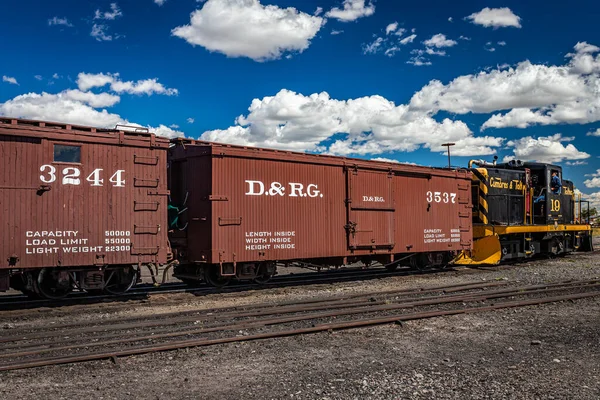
x=240 y=209
x=79 y=199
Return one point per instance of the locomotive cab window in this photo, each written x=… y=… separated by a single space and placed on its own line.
x=67 y=154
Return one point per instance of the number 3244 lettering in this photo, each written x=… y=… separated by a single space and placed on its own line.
x=441 y=197
x=71 y=176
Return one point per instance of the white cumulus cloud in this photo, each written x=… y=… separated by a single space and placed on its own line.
x=351 y=10
x=408 y=39
x=114 y=13
x=60 y=21
x=99 y=33
x=594 y=133
x=9 y=79
x=374 y=46
x=390 y=43
x=86 y=81
x=99 y=100
x=160 y=2
x=57 y=107
x=417 y=59
x=383 y=159
x=373 y=125
x=391 y=28
x=82 y=107
x=593 y=198
x=532 y=94
x=594 y=182
x=73 y=107
x=495 y=18
x=549 y=149
x=246 y=28
x=439 y=40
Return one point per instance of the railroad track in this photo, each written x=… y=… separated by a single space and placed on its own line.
x=127 y=336
x=140 y=292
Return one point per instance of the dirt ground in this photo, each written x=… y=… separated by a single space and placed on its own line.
x=543 y=352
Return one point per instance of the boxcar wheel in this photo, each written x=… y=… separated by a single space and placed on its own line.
x=119 y=281
x=264 y=273
x=213 y=278
x=48 y=284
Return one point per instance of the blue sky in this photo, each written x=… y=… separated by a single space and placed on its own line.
x=513 y=79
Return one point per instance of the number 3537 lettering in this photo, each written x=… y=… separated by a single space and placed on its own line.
x=441 y=197
x=71 y=176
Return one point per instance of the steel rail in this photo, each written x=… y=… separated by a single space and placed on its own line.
x=374 y=307
x=244 y=310
x=279 y=281
x=211 y=315
x=292 y=332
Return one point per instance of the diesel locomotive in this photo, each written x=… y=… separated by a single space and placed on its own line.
x=523 y=209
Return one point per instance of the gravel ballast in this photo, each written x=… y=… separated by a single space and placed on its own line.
x=538 y=352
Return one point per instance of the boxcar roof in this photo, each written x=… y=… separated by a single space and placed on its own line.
x=127 y=135
x=293 y=156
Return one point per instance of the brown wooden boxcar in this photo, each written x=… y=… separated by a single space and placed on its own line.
x=241 y=209
x=79 y=206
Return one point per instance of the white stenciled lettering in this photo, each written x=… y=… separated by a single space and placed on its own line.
x=312 y=190
x=258 y=247
x=51 y=171
x=285 y=233
x=67 y=242
x=440 y=197
x=117 y=178
x=71 y=176
x=56 y=242
x=373 y=199
x=277 y=189
x=296 y=189
x=258 y=234
x=284 y=246
x=266 y=240
x=256 y=240
x=94 y=177
x=41 y=250
x=255 y=188
x=42 y=234
x=40 y=242
x=280 y=240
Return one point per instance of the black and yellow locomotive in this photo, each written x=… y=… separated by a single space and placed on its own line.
x=522 y=210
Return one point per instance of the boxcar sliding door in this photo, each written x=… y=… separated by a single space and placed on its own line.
x=370 y=209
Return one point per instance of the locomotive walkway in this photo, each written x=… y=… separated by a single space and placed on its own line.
x=121 y=337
